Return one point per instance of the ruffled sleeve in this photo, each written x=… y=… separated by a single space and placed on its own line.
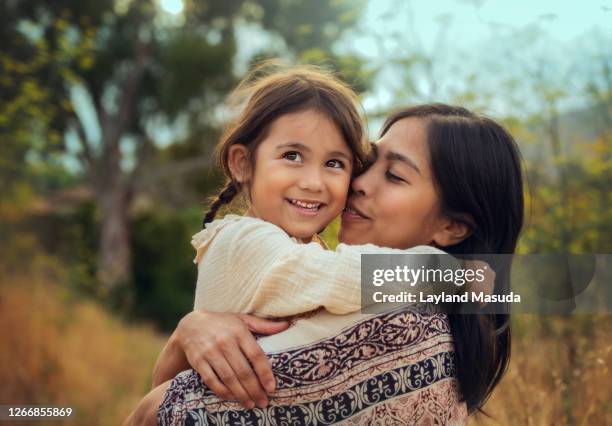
x=202 y=239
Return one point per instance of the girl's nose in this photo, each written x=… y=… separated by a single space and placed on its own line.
x=311 y=181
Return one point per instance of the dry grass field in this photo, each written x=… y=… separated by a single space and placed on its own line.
x=67 y=351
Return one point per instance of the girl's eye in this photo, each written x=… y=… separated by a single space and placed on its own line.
x=292 y=156
x=393 y=178
x=336 y=164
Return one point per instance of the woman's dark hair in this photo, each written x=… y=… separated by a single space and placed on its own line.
x=477 y=173
x=272 y=90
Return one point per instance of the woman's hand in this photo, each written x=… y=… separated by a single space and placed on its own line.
x=220 y=346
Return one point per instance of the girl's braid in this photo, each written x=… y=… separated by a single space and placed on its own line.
x=226 y=195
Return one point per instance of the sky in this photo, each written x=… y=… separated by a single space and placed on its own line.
x=472 y=20
x=494 y=41
x=491 y=41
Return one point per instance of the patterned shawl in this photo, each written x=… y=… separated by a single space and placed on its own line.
x=396 y=367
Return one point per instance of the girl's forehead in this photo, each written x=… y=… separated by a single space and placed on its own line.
x=305 y=122
x=311 y=129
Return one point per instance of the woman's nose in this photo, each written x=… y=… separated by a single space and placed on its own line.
x=360 y=184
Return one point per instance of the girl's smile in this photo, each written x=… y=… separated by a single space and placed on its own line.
x=306 y=207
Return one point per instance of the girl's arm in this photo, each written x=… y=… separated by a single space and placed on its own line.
x=269 y=274
x=170 y=362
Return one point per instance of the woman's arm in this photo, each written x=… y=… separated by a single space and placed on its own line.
x=221 y=348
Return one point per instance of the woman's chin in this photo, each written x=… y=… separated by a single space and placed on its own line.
x=351 y=236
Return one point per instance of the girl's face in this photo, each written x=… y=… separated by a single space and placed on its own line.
x=394 y=203
x=302 y=174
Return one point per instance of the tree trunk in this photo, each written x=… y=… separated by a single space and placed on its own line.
x=114 y=253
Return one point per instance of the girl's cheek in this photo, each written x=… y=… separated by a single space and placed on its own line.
x=338 y=195
x=343 y=189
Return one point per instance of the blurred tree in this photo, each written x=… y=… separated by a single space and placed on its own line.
x=599 y=163
x=130 y=68
x=309 y=31
x=96 y=80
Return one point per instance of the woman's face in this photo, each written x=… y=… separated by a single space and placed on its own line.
x=394 y=203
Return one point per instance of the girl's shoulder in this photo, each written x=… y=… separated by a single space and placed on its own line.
x=233 y=227
x=232 y=223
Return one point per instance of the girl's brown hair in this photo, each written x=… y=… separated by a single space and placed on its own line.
x=272 y=90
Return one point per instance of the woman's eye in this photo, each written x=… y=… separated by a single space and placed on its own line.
x=336 y=164
x=393 y=178
x=292 y=156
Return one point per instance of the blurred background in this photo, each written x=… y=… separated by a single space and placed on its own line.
x=109 y=112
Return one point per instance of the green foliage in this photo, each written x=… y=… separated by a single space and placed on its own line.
x=164 y=273
x=330 y=234
x=310 y=30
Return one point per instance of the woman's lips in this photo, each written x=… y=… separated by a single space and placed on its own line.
x=353 y=213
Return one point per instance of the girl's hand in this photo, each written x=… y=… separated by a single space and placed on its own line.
x=487 y=286
x=220 y=346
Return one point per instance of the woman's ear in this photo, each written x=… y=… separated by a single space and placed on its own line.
x=238 y=161
x=451 y=231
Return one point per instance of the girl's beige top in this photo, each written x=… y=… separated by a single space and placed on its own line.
x=251 y=266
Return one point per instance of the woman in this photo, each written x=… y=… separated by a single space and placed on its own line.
x=440 y=171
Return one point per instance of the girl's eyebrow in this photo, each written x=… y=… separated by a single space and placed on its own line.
x=298 y=145
x=340 y=154
x=396 y=156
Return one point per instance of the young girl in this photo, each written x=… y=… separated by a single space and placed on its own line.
x=291 y=153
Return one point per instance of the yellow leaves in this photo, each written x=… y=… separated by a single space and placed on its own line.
x=31 y=95
x=348 y=16
x=61 y=24
x=603 y=145
x=86 y=62
x=13 y=205
x=55 y=137
x=313 y=56
x=32 y=88
x=69 y=76
x=66 y=105
x=304 y=29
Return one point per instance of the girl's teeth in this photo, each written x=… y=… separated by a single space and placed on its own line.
x=305 y=205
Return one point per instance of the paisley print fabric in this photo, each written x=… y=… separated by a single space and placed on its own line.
x=391 y=368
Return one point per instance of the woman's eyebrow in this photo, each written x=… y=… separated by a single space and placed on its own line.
x=396 y=156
